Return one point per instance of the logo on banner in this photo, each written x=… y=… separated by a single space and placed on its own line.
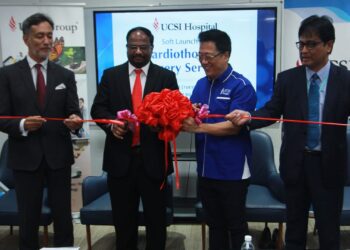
x=12 y=23
x=60 y=27
x=183 y=26
x=156 y=24
x=67 y=28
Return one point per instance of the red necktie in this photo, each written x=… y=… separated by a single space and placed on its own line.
x=40 y=86
x=136 y=102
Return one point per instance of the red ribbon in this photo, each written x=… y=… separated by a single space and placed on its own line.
x=203 y=113
x=281 y=120
x=104 y=121
x=110 y=121
x=172 y=131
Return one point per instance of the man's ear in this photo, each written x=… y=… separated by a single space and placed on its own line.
x=227 y=56
x=329 y=45
x=25 y=39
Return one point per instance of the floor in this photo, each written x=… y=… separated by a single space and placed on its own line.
x=180 y=237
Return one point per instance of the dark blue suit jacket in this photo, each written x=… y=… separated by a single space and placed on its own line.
x=290 y=101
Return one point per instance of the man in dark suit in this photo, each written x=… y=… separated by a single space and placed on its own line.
x=313 y=157
x=40 y=151
x=135 y=162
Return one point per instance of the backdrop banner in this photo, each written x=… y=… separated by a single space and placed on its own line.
x=296 y=10
x=68 y=50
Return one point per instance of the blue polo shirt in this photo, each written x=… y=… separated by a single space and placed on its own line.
x=224 y=157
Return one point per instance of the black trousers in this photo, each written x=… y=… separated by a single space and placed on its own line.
x=29 y=187
x=224 y=207
x=125 y=197
x=326 y=203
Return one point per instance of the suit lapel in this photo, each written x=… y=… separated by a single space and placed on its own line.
x=28 y=81
x=331 y=93
x=302 y=90
x=50 y=82
x=149 y=86
x=123 y=84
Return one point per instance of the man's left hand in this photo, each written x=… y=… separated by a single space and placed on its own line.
x=189 y=125
x=73 y=122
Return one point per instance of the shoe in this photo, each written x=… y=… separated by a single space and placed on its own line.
x=274 y=238
x=265 y=239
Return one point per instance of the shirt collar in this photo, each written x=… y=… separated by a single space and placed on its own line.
x=32 y=63
x=322 y=73
x=144 y=68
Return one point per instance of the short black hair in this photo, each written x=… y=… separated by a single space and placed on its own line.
x=35 y=19
x=318 y=25
x=220 y=38
x=144 y=30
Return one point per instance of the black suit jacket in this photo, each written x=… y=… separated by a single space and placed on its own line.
x=18 y=98
x=290 y=101
x=114 y=95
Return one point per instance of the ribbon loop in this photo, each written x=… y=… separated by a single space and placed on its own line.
x=131 y=118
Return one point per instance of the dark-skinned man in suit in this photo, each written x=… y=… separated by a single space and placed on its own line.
x=135 y=167
x=40 y=152
x=312 y=157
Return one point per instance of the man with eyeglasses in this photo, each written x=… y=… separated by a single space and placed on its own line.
x=134 y=159
x=223 y=150
x=313 y=157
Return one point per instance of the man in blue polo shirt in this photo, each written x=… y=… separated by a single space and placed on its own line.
x=223 y=150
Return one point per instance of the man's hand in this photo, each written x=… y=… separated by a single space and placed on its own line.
x=73 y=122
x=33 y=123
x=119 y=130
x=196 y=106
x=189 y=125
x=238 y=117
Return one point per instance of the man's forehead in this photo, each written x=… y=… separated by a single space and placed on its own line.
x=309 y=35
x=139 y=32
x=41 y=25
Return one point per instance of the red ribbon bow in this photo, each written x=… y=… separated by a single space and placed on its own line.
x=167 y=110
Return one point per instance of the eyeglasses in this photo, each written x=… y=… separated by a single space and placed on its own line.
x=207 y=57
x=140 y=47
x=309 y=44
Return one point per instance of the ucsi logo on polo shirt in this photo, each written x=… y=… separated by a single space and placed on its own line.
x=224 y=94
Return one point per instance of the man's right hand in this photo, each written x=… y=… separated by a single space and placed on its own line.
x=238 y=117
x=33 y=123
x=119 y=130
